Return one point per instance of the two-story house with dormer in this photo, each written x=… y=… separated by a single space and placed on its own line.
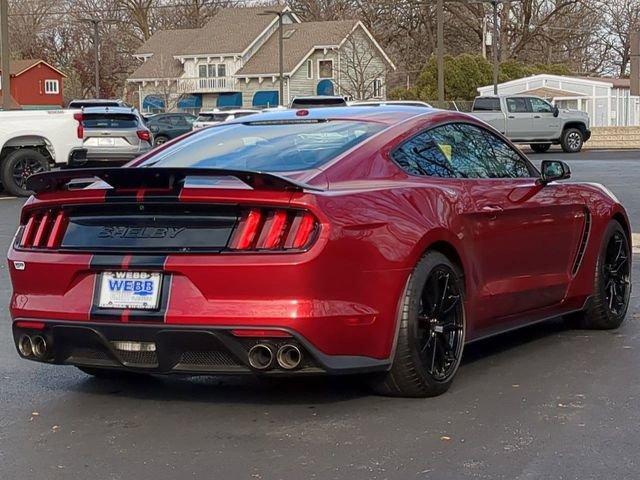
x=233 y=61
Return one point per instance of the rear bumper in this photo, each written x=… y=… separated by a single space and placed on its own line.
x=103 y=155
x=189 y=350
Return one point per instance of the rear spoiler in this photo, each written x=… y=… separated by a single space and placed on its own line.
x=141 y=177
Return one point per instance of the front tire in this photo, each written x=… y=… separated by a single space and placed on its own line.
x=572 y=140
x=540 y=147
x=431 y=332
x=612 y=283
x=18 y=167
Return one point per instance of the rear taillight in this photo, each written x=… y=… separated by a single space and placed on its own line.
x=274 y=229
x=144 y=135
x=43 y=230
x=80 y=130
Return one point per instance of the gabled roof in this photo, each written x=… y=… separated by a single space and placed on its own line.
x=300 y=39
x=17 y=67
x=163 y=46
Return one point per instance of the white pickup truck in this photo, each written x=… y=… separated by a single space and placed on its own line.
x=534 y=121
x=33 y=141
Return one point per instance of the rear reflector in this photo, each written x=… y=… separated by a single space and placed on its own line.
x=266 y=229
x=255 y=333
x=43 y=230
x=33 y=325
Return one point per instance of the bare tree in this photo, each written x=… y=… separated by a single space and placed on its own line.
x=362 y=71
x=168 y=85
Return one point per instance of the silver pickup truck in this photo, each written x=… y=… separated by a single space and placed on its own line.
x=534 y=121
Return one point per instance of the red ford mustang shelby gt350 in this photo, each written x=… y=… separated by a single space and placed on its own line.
x=338 y=240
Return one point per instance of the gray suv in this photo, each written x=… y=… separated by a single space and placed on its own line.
x=114 y=134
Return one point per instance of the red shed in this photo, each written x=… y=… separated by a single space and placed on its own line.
x=35 y=84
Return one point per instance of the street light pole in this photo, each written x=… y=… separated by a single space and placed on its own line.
x=494 y=46
x=5 y=85
x=440 y=49
x=96 y=51
x=281 y=56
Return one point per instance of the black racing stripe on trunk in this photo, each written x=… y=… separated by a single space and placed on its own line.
x=112 y=196
x=155 y=262
x=155 y=198
x=102 y=262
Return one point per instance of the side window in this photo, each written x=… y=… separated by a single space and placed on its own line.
x=540 y=106
x=518 y=105
x=178 y=122
x=487 y=104
x=421 y=156
x=460 y=150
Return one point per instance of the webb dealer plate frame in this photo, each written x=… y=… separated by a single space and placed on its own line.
x=108 y=299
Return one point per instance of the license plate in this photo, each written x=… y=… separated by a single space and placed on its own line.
x=106 y=142
x=132 y=290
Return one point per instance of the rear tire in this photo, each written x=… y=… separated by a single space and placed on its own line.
x=159 y=140
x=612 y=283
x=572 y=140
x=431 y=332
x=20 y=165
x=540 y=147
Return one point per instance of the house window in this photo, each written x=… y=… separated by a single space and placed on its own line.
x=325 y=68
x=377 y=87
x=309 y=68
x=222 y=70
x=51 y=87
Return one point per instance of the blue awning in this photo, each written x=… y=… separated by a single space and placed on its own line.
x=153 y=102
x=325 y=87
x=190 y=101
x=266 y=98
x=230 y=99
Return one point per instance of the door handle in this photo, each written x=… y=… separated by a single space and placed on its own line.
x=537 y=116
x=512 y=116
x=493 y=209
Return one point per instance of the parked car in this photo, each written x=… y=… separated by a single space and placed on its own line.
x=534 y=121
x=384 y=103
x=33 y=141
x=114 y=134
x=328 y=242
x=213 y=117
x=167 y=126
x=319 y=101
x=96 y=102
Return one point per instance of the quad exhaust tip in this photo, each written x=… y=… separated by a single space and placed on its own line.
x=289 y=357
x=39 y=347
x=25 y=346
x=35 y=346
x=261 y=356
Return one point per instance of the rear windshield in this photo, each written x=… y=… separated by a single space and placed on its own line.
x=212 y=117
x=109 y=120
x=265 y=146
x=87 y=104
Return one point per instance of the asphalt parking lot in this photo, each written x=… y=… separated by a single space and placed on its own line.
x=542 y=403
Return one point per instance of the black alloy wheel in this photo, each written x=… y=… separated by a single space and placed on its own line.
x=431 y=331
x=616 y=274
x=609 y=302
x=18 y=166
x=440 y=324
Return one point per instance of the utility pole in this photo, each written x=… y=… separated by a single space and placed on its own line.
x=4 y=53
x=440 y=49
x=494 y=47
x=280 y=14
x=96 y=52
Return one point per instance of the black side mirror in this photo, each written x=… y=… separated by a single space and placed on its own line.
x=553 y=170
x=556 y=111
x=154 y=129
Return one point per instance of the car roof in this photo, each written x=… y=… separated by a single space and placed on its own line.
x=229 y=111
x=389 y=114
x=130 y=110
